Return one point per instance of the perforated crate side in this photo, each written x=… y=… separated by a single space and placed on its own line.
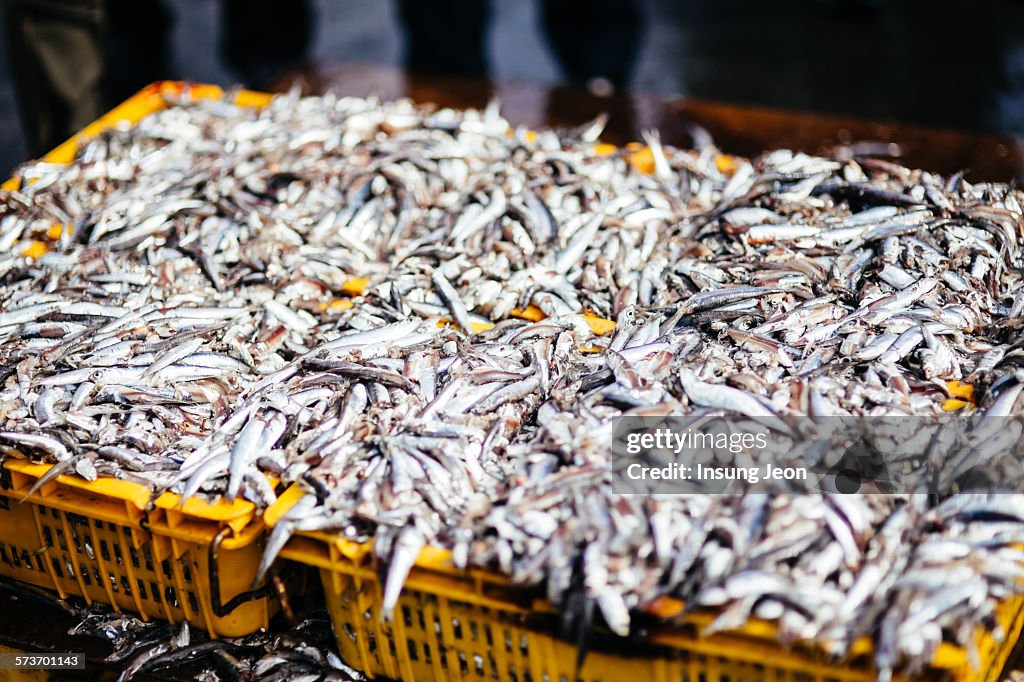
x=450 y=625
x=20 y=556
x=85 y=544
x=435 y=638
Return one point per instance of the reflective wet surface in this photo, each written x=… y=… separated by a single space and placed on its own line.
x=737 y=128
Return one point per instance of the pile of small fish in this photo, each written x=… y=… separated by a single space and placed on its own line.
x=174 y=310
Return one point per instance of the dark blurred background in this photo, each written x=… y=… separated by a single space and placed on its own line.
x=956 y=65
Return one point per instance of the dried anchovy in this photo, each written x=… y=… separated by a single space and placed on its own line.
x=185 y=331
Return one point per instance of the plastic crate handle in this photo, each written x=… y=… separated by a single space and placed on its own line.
x=220 y=609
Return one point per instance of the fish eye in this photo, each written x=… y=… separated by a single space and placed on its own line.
x=98 y=374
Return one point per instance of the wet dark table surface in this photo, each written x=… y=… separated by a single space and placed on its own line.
x=38 y=625
x=737 y=129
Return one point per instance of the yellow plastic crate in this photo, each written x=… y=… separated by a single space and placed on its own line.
x=475 y=625
x=105 y=542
